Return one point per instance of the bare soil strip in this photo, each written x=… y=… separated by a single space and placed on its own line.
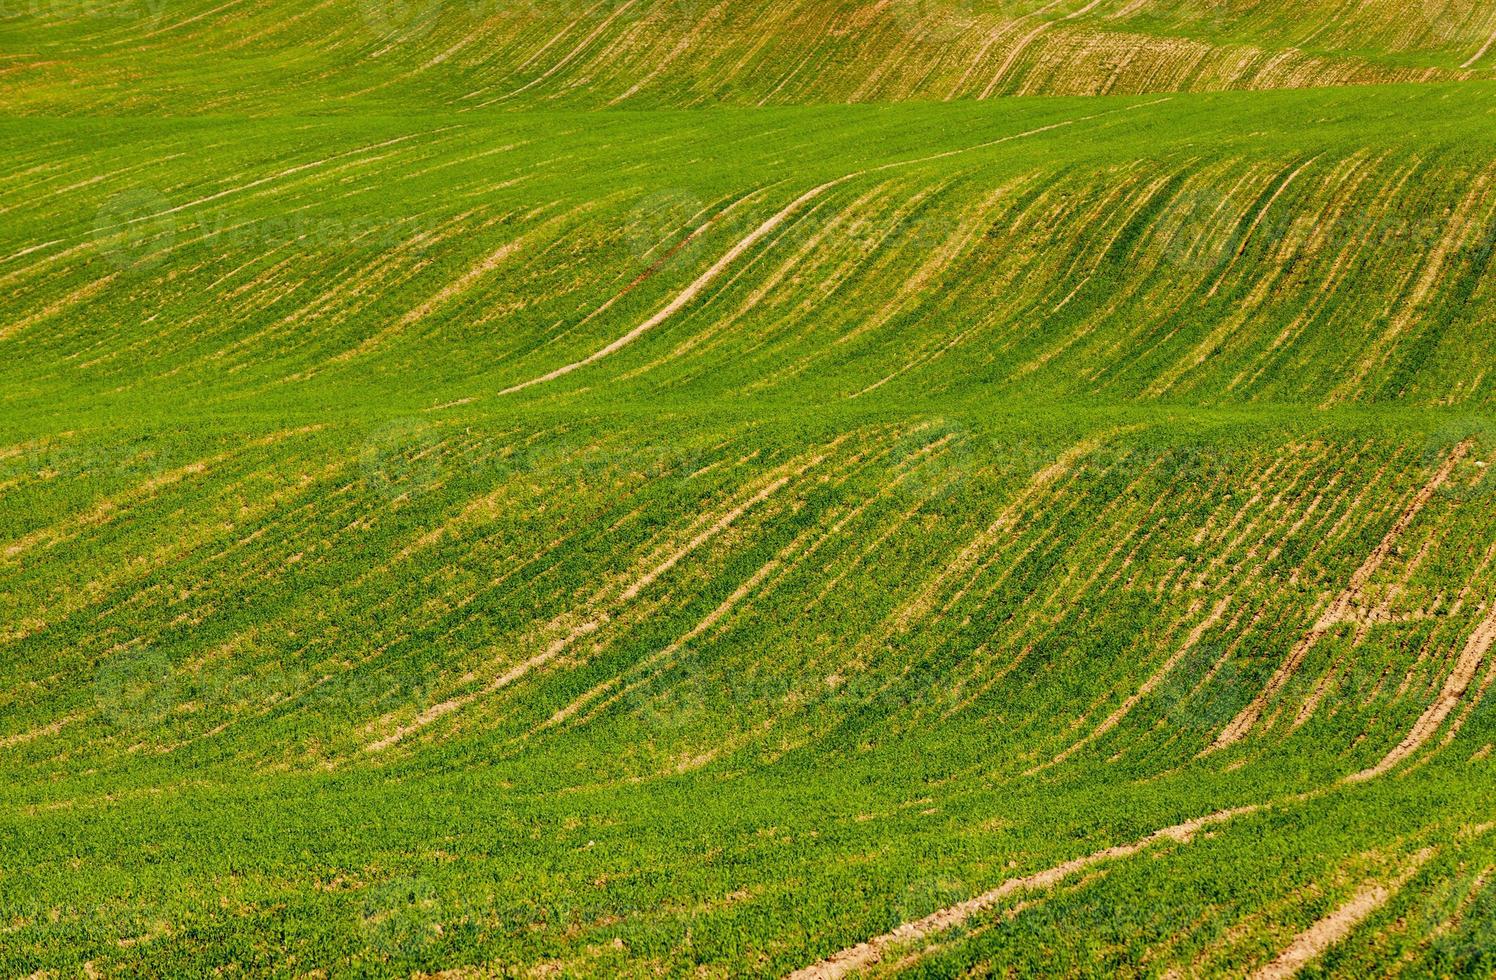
x=1241 y=248
x=289 y=171
x=1482 y=52
x=1333 y=928
x=595 y=622
x=868 y=953
x=1410 y=306
x=923 y=603
x=1341 y=609
x=758 y=234
x=1305 y=947
x=1455 y=686
x=1017 y=51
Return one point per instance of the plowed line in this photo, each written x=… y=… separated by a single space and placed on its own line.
x=1455 y=686
x=1482 y=52
x=1334 y=927
x=556 y=646
x=867 y=953
x=1340 y=609
x=758 y=234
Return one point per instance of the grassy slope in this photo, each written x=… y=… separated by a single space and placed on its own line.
x=929 y=545
x=147 y=56
x=1193 y=248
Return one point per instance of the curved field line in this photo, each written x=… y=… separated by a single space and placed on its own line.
x=1241 y=248
x=686 y=295
x=866 y=954
x=1305 y=947
x=568 y=59
x=1333 y=928
x=1147 y=687
x=1455 y=686
x=107 y=508
x=1214 y=617
x=1018 y=50
x=1315 y=940
x=1409 y=306
x=658 y=264
x=1482 y=52
x=923 y=603
x=43 y=731
x=1339 y=609
x=289 y=171
x=597 y=621
x=785 y=561
x=454 y=289
x=79 y=295
x=711 y=619
x=756 y=235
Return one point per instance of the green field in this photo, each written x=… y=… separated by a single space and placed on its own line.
x=726 y=488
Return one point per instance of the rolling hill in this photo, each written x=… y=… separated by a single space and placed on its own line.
x=268 y=58
x=726 y=488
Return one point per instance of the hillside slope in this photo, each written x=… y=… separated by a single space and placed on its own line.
x=1007 y=536
x=1181 y=248
x=268 y=58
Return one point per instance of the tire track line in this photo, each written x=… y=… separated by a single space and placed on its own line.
x=1304 y=948
x=1307 y=945
x=866 y=954
x=1490 y=41
x=602 y=617
x=1456 y=685
x=758 y=234
x=1335 y=927
x=1340 y=609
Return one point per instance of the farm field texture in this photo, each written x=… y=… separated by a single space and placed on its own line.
x=748 y=489
x=362 y=56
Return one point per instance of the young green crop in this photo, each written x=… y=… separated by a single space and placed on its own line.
x=1020 y=536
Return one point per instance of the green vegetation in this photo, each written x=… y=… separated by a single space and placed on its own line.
x=266 y=57
x=480 y=495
